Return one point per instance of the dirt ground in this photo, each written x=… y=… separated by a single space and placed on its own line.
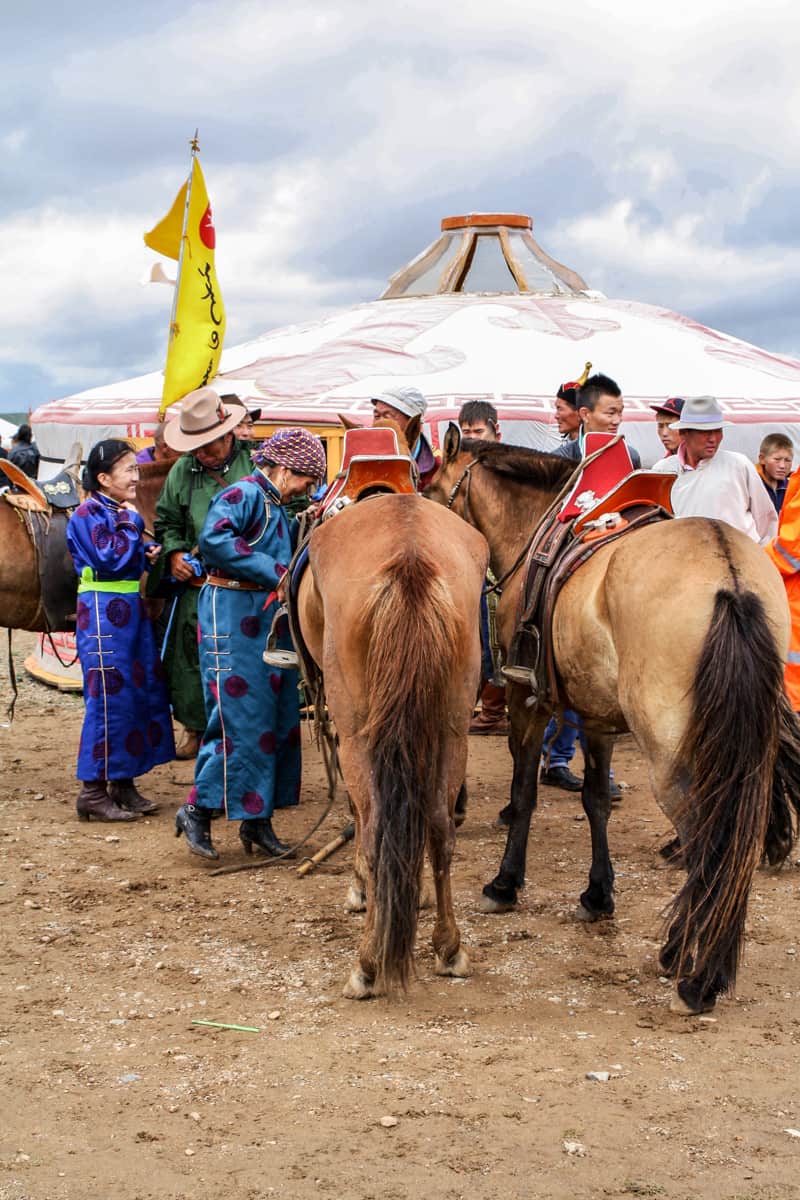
x=116 y=941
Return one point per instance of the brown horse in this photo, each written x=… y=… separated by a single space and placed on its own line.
x=677 y=633
x=389 y=609
x=19 y=572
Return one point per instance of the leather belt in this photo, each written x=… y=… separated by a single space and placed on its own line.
x=196 y=581
x=238 y=585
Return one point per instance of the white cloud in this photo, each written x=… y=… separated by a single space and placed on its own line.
x=692 y=271
x=344 y=115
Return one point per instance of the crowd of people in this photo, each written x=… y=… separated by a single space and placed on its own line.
x=224 y=536
x=710 y=482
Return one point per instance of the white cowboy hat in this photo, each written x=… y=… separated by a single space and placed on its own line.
x=701 y=412
x=203 y=419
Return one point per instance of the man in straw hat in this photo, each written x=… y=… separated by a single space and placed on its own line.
x=716 y=483
x=249 y=760
x=211 y=459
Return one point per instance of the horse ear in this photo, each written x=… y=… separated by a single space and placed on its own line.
x=412 y=431
x=452 y=442
x=348 y=422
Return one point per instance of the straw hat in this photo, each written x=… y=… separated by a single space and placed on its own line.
x=203 y=419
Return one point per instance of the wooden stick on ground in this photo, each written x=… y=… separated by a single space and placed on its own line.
x=308 y=864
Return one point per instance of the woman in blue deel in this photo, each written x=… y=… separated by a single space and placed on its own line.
x=127 y=728
x=249 y=759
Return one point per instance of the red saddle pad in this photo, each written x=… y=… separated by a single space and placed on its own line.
x=599 y=477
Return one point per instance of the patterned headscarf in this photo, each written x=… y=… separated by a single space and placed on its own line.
x=297 y=449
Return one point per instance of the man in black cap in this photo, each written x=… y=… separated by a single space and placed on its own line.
x=245 y=430
x=666 y=414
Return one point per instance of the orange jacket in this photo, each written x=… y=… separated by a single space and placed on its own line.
x=784 y=551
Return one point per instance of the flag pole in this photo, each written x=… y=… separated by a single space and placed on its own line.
x=173 y=329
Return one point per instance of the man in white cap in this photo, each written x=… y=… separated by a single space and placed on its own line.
x=400 y=403
x=212 y=459
x=715 y=483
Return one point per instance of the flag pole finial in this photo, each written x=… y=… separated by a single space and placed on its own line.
x=193 y=142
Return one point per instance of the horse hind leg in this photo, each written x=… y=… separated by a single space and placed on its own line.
x=355 y=765
x=361 y=982
x=356 y=899
x=451 y=958
x=598 y=898
x=525 y=742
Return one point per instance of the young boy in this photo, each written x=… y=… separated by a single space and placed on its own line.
x=775 y=456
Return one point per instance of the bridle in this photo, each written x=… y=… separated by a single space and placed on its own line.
x=465 y=474
x=523 y=554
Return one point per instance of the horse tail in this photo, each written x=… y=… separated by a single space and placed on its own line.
x=785 y=810
x=413 y=643
x=739 y=754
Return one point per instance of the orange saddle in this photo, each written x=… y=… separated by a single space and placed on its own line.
x=608 y=483
x=639 y=489
x=371 y=464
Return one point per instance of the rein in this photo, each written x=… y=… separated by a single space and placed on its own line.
x=497 y=586
x=54 y=648
x=12 y=675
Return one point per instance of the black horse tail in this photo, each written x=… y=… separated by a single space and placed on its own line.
x=741 y=756
x=413 y=644
x=783 y=817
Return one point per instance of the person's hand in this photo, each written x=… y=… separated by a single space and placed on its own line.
x=152 y=552
x=130 y=507
x=179 y=569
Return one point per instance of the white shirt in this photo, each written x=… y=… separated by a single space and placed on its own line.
x=726 y=487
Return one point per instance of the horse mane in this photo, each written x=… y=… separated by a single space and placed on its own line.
x=535 y=467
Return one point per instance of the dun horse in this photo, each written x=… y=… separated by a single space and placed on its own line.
x=389 y=611
x=677 y=633
x=20 y=593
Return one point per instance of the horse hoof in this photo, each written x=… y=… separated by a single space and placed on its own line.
x=358 y=987
x=487 y=905
x=457 y=966
x=587 y=915
x=679 y=1006
x=355 y=900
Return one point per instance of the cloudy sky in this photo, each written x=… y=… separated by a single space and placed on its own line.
x=657 y=147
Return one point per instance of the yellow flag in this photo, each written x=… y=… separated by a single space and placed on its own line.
x=198 y=329
x=165 y=237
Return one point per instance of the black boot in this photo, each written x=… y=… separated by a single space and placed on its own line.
x=259 y=832
x=95 y=803
x=196 y=824
x=124 y=793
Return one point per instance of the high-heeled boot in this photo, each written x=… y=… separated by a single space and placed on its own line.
x=95 y=803
x=124 y=793
x=196 y=824
x=258 y=831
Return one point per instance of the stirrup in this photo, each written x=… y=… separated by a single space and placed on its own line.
x=523 y=659
x=524 y=675
x=284 y=660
